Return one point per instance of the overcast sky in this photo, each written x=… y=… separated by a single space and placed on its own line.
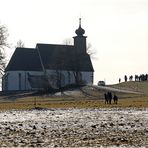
x=116 y=29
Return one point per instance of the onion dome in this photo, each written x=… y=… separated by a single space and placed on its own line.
x=80 y=31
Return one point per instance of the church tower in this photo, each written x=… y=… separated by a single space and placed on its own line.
x=80 y=40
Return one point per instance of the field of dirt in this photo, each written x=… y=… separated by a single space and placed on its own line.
x=74 y=128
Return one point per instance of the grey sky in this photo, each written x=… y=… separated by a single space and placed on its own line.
x=117 y=30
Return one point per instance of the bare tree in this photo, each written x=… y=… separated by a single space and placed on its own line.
x=20 y=43
x=3 y=45
x=91 y=51
x=68 y=41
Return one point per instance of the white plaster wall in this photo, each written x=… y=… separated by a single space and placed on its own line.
x=13 y=79
x=25 y=85
x=65 y=74
x=86 y=76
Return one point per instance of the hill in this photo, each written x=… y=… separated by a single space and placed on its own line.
x=133 y=86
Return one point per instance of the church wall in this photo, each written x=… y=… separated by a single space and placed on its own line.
x=68 y=77
x=65 y=77
x=87 y=77
x=12 y=81
x=18 y=80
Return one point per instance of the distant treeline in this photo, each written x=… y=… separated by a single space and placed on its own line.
x=141 y=77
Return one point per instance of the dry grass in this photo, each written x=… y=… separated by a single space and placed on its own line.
x=29 y=103
x=94 y=98
x=134 y=86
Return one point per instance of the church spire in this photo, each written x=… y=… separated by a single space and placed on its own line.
x=80 y=31
x=79 y=22
x=80 y=40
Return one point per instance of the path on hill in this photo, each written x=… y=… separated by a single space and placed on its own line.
x=106 y=88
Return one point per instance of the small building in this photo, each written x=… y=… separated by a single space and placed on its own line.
x=49 y=65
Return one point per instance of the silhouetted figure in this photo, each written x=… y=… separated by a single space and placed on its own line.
x=136 y=78
x=125 y=78
x=141 y=77
x=109 y=97
x=115 y=98
x=106 y=98
x=131 y=78
x=119 y=80
x=146 y=77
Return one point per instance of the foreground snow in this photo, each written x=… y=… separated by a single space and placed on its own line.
x=74 y=127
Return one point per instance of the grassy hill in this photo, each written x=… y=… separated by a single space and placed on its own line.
x=133 y=86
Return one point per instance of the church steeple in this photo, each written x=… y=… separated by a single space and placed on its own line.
x=80 y=40
x=80 y=22
x=80 y=31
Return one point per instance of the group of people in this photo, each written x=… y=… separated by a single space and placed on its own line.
x=141 y=77
x=108 y=98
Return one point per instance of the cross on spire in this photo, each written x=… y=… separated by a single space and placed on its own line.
x=80 y=22
x=80 y=31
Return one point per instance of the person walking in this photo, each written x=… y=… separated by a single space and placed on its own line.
x=115 y=98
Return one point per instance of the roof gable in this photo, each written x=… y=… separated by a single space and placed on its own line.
x=25 y=59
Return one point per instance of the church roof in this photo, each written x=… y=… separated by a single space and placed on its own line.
x=63 y=57
x=25 y=59
x=51 y=56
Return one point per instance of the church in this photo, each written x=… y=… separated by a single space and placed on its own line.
x=49 y=66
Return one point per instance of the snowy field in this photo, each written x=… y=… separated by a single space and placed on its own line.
x=74 y=128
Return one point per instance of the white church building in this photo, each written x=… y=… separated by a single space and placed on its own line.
x=49 y=65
